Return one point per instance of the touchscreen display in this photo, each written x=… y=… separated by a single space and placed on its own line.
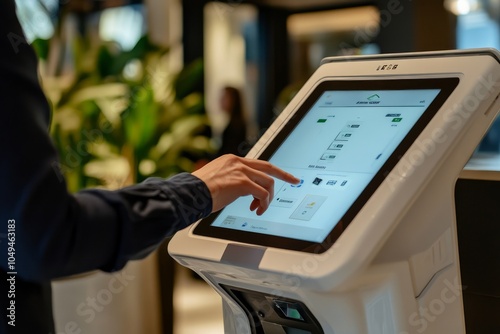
x=337 y=143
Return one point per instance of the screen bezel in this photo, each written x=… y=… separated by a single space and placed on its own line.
x=445 y=85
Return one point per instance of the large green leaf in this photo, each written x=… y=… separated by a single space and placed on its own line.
x=41 y=47
x=189 y=80
x=140 y=119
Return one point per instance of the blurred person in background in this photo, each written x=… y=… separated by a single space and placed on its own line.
x=234 y=135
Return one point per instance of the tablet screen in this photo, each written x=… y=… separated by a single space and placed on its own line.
x=341 y=142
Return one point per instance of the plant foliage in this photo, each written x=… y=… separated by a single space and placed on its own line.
x=122 y=116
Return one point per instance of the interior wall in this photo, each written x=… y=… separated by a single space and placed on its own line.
x=435 y=27
x=408 y=26
x=122 y=302
x=165 y=28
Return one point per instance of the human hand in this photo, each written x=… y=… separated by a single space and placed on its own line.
x=229 y=177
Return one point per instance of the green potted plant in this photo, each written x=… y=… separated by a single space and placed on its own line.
x=121 y=116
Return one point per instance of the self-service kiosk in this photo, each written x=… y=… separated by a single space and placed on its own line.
x=367 y=241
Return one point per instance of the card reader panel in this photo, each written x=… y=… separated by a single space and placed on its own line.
x=269 y=314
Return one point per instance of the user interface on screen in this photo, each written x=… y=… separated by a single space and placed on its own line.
x=340 y=144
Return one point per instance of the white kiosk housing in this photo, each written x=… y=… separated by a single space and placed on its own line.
x=367 y=242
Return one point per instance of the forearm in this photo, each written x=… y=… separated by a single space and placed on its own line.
x=59 y=234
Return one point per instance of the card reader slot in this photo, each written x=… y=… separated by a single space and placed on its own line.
x=269 y=314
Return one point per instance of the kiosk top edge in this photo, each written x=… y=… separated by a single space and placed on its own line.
x=445 y=53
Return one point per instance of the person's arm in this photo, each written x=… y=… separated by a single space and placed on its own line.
x=58 y=234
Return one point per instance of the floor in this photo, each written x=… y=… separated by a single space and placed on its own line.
x=198 y=308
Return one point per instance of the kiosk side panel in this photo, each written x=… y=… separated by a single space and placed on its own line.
x=478 y=227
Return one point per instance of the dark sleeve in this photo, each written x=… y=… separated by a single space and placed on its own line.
x=58 y=234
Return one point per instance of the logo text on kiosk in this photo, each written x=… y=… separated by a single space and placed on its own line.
x=387 y=67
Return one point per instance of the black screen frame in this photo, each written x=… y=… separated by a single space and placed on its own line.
x=446 y=85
